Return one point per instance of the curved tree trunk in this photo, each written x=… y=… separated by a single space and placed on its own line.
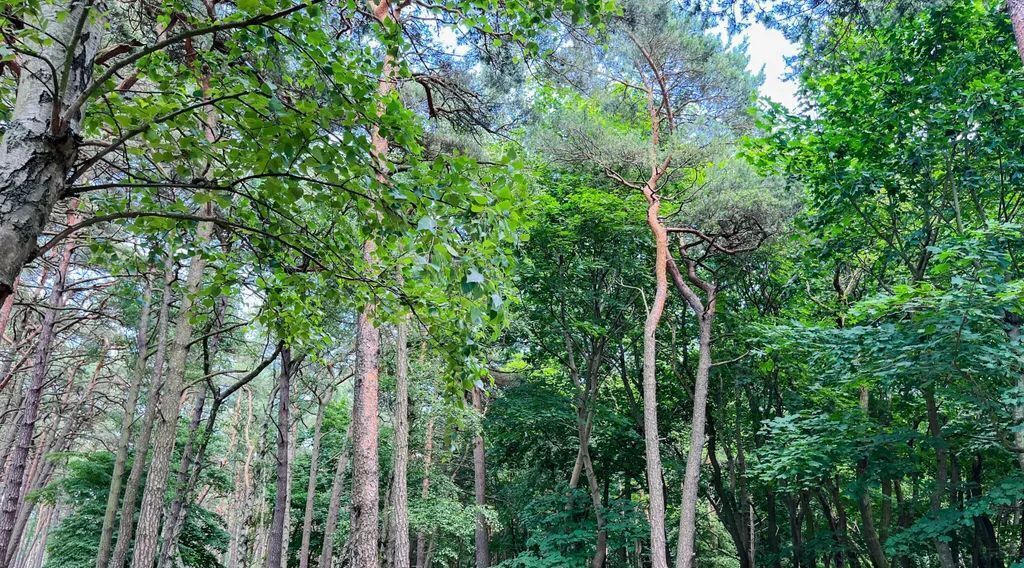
x=334 y=508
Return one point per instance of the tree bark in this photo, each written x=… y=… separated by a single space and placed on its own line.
x=688 y=516
x=946 y=559
x=428 y=449
x=126 y=524
x=130 y=405
x=40 y=144
x=314 y=459
x=399 y=490
x=481 y=539
x=15 y=470
x=334 y=508
x=275 y=544
x=148 y=525
x=1016 y=11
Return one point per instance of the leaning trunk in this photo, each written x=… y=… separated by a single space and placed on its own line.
x=40 y=144
x=688 y=517
x=334 y=508
x=166 y=428
x=114 y=494
x=15 y=468
x=314 y=459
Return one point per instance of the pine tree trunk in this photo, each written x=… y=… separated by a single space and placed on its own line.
x=334 y=508
x=275 y=544
x=148 y=526
x=126 y=524
x=117 y=477
x=314 y=459
x=428 y=449
x=691 y=478
x=15 y=470
x=399 y=491
x=482 y=539
x=365 y=467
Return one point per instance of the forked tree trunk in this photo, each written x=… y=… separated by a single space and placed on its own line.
x=481 y=539
x=126 y=524
x=148 y=527
x=399 y=490
x=124 y=437
x=40 y=144
x=275 y=544
x=15 y=470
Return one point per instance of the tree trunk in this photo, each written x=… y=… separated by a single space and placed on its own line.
x=275 y=545
x=124 y=437
x=688 y=516
x=482 y=539
x=15 y=470
x=875 y=552
x=314 y=459
x=1016 y=11
x=365 y=467
x=40 y=144
x=334 y=508
x=126 y=524
x=428 y=448
x=166 y=427
x=946 y=559
x=399 y=490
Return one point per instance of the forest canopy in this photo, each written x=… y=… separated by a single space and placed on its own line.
x=522 y=284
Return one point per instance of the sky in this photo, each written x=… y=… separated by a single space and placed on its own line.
x=768 y=49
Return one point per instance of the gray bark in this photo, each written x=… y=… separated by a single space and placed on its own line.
x=40 y=144
x=399 y=491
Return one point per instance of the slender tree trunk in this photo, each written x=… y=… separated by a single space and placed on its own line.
x=117 y=477
x=314 y=458
x=941 y=474
x=399 y=490
x=688 y=517
x=334 y=508
x=275 y=545
x=428 y=448
x=365 y=468
x=126 y=524
x=875 y=552
x=40 y=143
x=147 y=530
x=15 y=471
x=482 y=539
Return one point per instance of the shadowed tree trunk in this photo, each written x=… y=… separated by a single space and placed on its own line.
x=275 y=544
x=15 y=469
x=314 y=459
x=483 y=555
x=428 y=448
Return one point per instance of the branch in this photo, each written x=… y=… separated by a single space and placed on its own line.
x=97 y=83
